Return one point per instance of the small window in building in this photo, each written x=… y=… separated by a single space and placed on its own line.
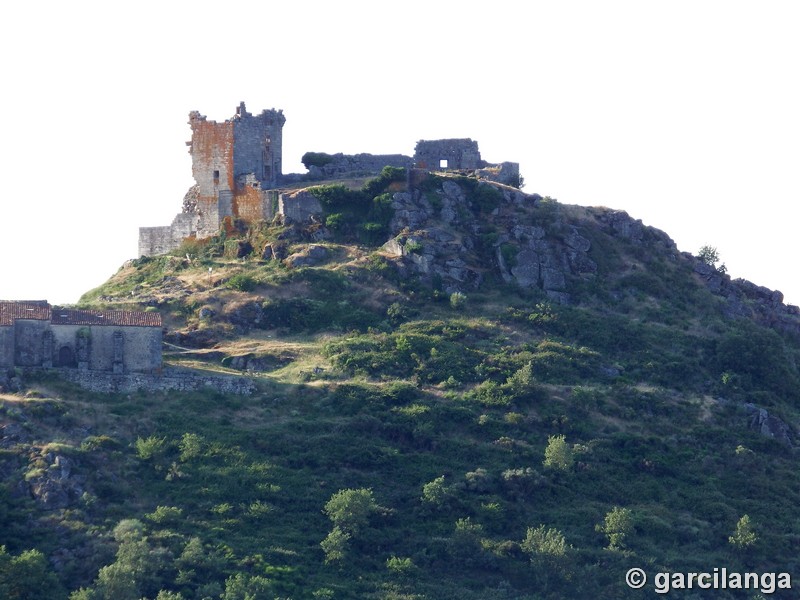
x=216 y=174
x=443 y=163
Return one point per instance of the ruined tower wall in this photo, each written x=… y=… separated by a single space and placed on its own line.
x=212 y=167
x=459 y=154
x=258 y=143
x=249 y=203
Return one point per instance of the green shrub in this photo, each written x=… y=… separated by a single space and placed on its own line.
x=458 y=300
x=165 y=515
x=413 y=247
x=316 y=159
x=242 y=282
x=151 y=447
x=558 y=455
x=509 y=253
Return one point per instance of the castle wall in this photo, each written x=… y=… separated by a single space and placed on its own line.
x=459 y=154
x=155 y=240
x=258 y=143
x=358 y=164
x=160 y=240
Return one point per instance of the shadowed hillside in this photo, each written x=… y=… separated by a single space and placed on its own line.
x=462 y=391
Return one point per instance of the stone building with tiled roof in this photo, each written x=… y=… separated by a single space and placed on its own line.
x=36 y=334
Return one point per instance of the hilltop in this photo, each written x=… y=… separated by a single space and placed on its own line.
x=462 y=391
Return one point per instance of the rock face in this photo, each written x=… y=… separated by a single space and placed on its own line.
x=745 y=299
x=768 y=425
x=458 y=231
x=56 y=487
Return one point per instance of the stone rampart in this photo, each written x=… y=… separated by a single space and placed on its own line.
x=342 y=165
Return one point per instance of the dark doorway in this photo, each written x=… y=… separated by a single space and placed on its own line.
x=66 y=357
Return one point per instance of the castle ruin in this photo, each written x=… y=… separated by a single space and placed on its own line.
x=237 y=168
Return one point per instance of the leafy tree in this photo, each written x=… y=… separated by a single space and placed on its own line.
x=351 y=509
x=28 y=577
x=545 y=542
x=241 y=586
x=436 y=492
x=137 y=570
x=151 y=447
x=548 y=551
x=335 y=545
x=710 y=256
x=617 y=526
x=744 y=536
x=400 y=566
x=191 y=446
x=558 y=455
x=466 y=541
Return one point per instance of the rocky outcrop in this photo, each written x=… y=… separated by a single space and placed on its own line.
x=56 y=486
x=307 y=257
x=744 y=299
x=759 y=419
x=461 y=232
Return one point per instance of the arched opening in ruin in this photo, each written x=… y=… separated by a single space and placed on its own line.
x=66 y=357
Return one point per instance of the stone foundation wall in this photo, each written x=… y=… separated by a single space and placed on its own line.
x=169 y=380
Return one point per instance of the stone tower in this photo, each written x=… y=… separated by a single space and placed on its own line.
x=232 y=163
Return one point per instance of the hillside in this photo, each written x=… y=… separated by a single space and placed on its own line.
x=463 y=391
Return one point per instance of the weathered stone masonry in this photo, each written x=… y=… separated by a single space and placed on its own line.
x=35 y=334
x=234 y=163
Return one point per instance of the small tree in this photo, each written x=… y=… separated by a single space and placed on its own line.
x=617 y=525
x=247 y=587
x=558 y=455
x=710 y=256
x=28 y=576
x=350 y=509
x=458 y=300
x=436 y=492
x=548 y=550
x=335 y=545
x=544 y=542
x=744 y=536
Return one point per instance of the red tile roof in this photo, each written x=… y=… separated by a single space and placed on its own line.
x=122 y=318
x=40 y=310
x=23 y=309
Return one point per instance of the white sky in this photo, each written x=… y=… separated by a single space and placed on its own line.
x=686 y=114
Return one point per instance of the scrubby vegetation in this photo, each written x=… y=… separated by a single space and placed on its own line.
x=406 y=442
